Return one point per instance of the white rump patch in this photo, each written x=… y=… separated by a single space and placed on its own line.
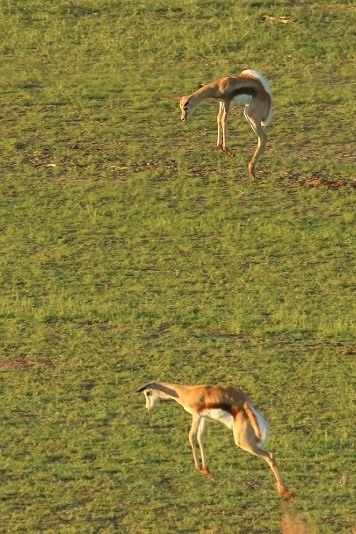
x=258 y=76
x=219 y=415
x=262 y=424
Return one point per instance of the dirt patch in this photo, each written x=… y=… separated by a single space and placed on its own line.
x=293 y=524
x=323 y=182
x=21 y=363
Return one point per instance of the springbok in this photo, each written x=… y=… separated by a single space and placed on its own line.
x=250 y=88
x=228 y=405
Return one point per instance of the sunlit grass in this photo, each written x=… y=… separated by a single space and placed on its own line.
x=132 y=250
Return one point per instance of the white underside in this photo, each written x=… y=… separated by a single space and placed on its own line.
x=227 y=419
x=242 y=99
x=219 y=415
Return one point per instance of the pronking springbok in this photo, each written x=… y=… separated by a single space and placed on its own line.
x=228 y=405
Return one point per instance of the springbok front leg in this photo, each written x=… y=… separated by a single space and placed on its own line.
x=197 y=430
x=200 y=435
x=222 y=117
x=219 y=141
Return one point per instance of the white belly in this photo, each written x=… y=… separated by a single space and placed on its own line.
x=242 y=99
x=219 y=415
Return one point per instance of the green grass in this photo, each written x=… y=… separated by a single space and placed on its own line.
x=132 y=250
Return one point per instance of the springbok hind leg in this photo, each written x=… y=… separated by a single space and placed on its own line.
x=261 y=144
x=246 y=439
x=282 y=490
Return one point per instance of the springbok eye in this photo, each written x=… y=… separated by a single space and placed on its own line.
x=148 y=393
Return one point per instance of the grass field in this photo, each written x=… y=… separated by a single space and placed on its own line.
x=131 y=250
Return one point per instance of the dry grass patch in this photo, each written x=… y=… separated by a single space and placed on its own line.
x=292 y=523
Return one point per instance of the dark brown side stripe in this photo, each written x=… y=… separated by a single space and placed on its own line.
x=227 y=407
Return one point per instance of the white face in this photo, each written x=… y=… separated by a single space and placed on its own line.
x=151 y=399
x=186 y=108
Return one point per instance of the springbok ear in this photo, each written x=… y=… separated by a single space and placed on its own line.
x=173 y=97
